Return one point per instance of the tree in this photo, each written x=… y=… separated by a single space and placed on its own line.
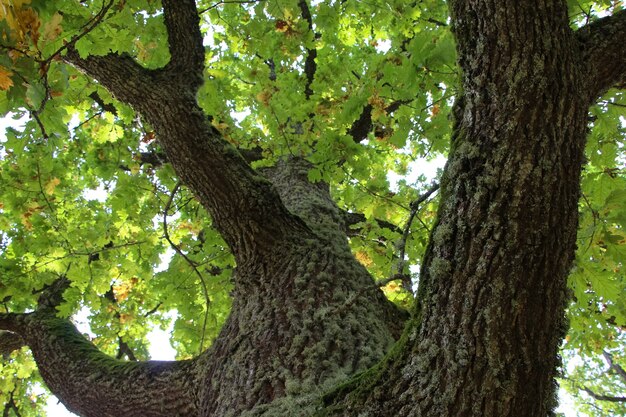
x=269 y=128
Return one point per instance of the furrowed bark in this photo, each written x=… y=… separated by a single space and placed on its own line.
x=185 y=42
x=300 y=320
x=603 y=53
x=90 y=383
x=490 y=314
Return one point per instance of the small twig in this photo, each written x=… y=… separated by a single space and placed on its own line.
x=401 y=244
x=154 y=310
x=191 y=263
x=435 y=21
x=87 y=27
x=612 y=103
x=219 y=3
x=594 y=215
x=374 y=193
x=614 y=366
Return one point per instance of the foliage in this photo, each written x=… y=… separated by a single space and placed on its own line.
x=86 y=194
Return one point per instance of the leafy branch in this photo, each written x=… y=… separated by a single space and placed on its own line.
x=310 y=66
x=398 y=268
x=190 y=262
x=601 y=397
x=614 y=366
x=11 y=405
x=220 y=3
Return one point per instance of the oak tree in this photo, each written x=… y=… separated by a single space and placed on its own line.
x=231 y=167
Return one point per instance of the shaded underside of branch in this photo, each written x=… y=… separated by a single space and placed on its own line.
x=603 y=53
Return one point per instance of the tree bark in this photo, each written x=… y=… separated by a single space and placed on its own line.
x=492 y=293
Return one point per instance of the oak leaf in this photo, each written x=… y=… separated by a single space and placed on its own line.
x=5 y=79
x=53 y=29
x=52 y=185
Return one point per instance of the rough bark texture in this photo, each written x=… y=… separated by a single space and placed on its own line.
x=489 y=319
x=490 y=313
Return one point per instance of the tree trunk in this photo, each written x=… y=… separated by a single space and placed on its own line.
x=304 y=317
x=492 y=294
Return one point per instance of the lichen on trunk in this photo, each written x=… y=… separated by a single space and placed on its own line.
x=304 y=317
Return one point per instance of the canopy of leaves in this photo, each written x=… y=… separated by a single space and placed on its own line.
x=361 y=89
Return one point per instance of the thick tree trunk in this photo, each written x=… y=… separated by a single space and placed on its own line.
x=304 y=317
x=490 y=314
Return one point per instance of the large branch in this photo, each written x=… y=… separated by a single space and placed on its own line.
x=244 y=206
x=87 y=381
x=185 y=41
x=120 y=74
x=90 y=383
x=9 y=342
x=604 y=55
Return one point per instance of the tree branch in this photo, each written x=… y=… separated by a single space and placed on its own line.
x=310 y=66
x=10 y=321
x=351 y=219
x=191 y=263
x=185 y=41
x=11 y=406
x=9 y=342
x=90 y=383
x=603 y=53
x=211 y=167
x=86 y=380
x=401 y=244
x=601 y=397
x=614 y=366
x=104 y=106
x=362 y=126
x=120 y=74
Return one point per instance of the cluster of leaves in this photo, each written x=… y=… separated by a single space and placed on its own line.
x=361 y=89
x=264 y=93
x=598 y=312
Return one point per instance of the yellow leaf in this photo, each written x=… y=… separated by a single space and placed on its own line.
x=29 y=23
x=121 y=291
x=53 y=29
x=264 y=97
x=221 y=126
x=51 y=185
x=5 y=79
x=125 y=318
x=25 y=217
x=134 y=169
x=364 y=258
